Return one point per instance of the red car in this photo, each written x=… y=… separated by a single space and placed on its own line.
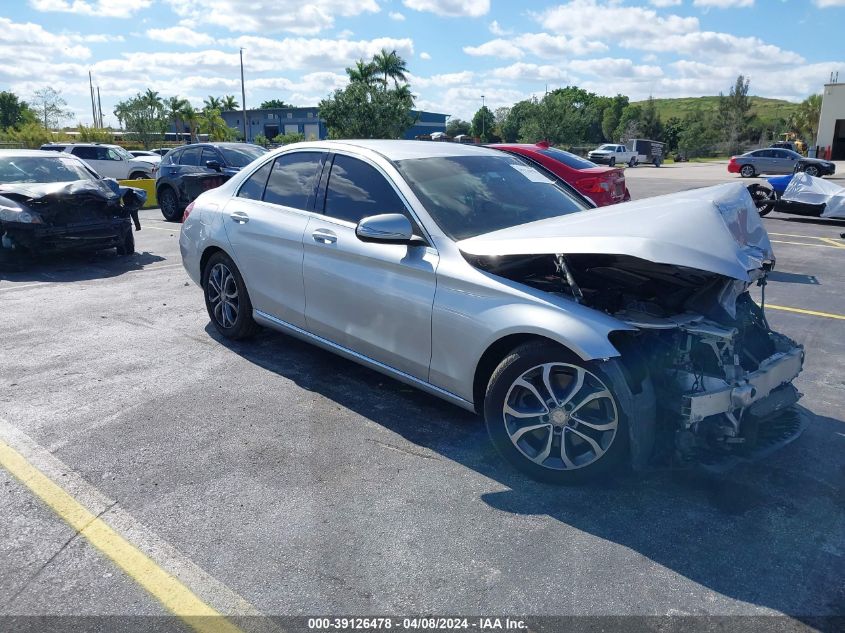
x=602 y=185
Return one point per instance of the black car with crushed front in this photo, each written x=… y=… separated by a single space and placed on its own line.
x=55 y=202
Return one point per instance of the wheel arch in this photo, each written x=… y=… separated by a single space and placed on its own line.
x=206 y=255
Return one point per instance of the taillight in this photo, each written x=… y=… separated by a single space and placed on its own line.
x=188 y=210
x=593 y=185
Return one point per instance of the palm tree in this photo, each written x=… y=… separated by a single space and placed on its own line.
x=391 y=66
x=212 y=103
x=807 y=117
x=229 y=103
x=192 y=118
x=174 y=108
x=363 y=72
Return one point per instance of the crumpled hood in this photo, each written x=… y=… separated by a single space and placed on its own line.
x=103 y=191
x=714 y=229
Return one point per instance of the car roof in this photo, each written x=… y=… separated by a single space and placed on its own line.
x=405 y=150
x=31 y=152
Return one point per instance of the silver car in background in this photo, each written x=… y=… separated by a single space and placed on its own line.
x=585 y=337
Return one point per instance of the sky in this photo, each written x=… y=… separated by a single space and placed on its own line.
x=456 y=50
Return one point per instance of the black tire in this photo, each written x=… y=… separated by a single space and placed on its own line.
x=526 y=359
x=747 y=171
x=169 y=204
x=127 y=247
x=632 y=162
x=764 y=198
x=138 y=175
x=612 y=162
x=812 y=170
x=242 y=325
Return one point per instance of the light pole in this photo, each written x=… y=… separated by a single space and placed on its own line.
x=243 y=93
x=483 y=131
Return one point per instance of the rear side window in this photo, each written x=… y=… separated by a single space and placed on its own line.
x=357 y=190
x=253 y=187
x=190 y=156
x=85 y=153
x=291 y=182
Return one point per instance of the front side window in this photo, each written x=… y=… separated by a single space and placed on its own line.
x=471 y=195
x=357 y=190
x=253 y=187
x=190 y=156
x=112 y=155
x=291 y=182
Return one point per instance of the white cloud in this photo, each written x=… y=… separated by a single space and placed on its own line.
x=395 y=15
x=180 y=35
x=451 y=8
x=447 y=79
x=99 y=8
x=496 y=29
x=248 y=16
x=665 y=3
x=28 y=42
x=724 y=4
x=425 y=56
x=539 y=44
x=522 y=71
x=824 y=4
x=495 y=48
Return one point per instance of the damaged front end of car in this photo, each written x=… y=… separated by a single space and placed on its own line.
x=675 y=272
x=79 y=215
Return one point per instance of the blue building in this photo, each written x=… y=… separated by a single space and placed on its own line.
x=307 y=121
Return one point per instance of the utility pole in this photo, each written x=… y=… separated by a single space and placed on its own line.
x=99 y=108
x=93 y=105
x=243 y=93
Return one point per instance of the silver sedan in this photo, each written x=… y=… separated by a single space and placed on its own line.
x=484 y=281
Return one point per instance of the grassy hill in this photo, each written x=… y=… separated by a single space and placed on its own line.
x=766 y=109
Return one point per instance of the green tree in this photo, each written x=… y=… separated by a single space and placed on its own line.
x=363 y=110
x=458 y=126
x=699 y=134
x=671 y=132
x=651 y=127
x=211 y=123
x=93 y=134
x=143 y=117
x=806 y=120
x=391 y=66
x=274 y=104
x=229 y=103
x=611 y=115
x=629 y=124
x=212 y=103
x=32 y=135
x=50 y=106
x=362 y=72
x=519 y=113
x=734 y=117
x=13 y=111
x=484 y=124
x=192 y=118
x=285 y=139
x=173 y=109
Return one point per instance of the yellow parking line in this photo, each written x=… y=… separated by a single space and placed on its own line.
x=836 y=243
x=805 y=244
x=171 y=593
x=827 y=315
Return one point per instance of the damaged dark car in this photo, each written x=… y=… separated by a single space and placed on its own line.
x=55 y=202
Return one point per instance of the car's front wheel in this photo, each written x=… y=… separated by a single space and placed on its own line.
x=612 y=161
x=556 y=417
x=747 y=171
x=632 y=162
x=226 y=298
x=764 y=198
x=812 y=170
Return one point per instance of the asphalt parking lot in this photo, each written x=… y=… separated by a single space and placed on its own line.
x=270 y=477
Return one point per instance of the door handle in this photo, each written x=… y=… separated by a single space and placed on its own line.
x=240 y=217
x=325 y=236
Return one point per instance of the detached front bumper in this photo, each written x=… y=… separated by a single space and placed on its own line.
x=759 y=392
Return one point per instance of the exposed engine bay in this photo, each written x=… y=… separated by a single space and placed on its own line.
x=83 y=214
x=717 y=369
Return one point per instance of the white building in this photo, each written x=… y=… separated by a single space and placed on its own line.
x=832 y=122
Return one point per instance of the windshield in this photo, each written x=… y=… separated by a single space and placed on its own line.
x=241 y=156
x=570 y=160
x=37 y=169
x=471 y=195
x=124 y=154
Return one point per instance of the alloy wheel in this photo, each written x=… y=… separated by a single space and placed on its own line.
x=560 y=416
x=222 y=293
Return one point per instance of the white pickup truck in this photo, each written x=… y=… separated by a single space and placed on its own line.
x=612 y=154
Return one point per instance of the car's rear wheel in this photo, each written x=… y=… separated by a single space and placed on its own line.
x=632 y=162
x=555 y=417
x=612 y=162
x=812 y=170
x=226 y=298
x=127 y=246
x=138 y=175
x=169 y=204
x=764 y=198
x=747 y=171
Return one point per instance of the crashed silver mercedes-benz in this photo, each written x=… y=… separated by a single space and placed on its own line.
x=585 y=337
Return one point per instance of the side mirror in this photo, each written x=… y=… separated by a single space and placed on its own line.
x=391 y=228
x=213 y=164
